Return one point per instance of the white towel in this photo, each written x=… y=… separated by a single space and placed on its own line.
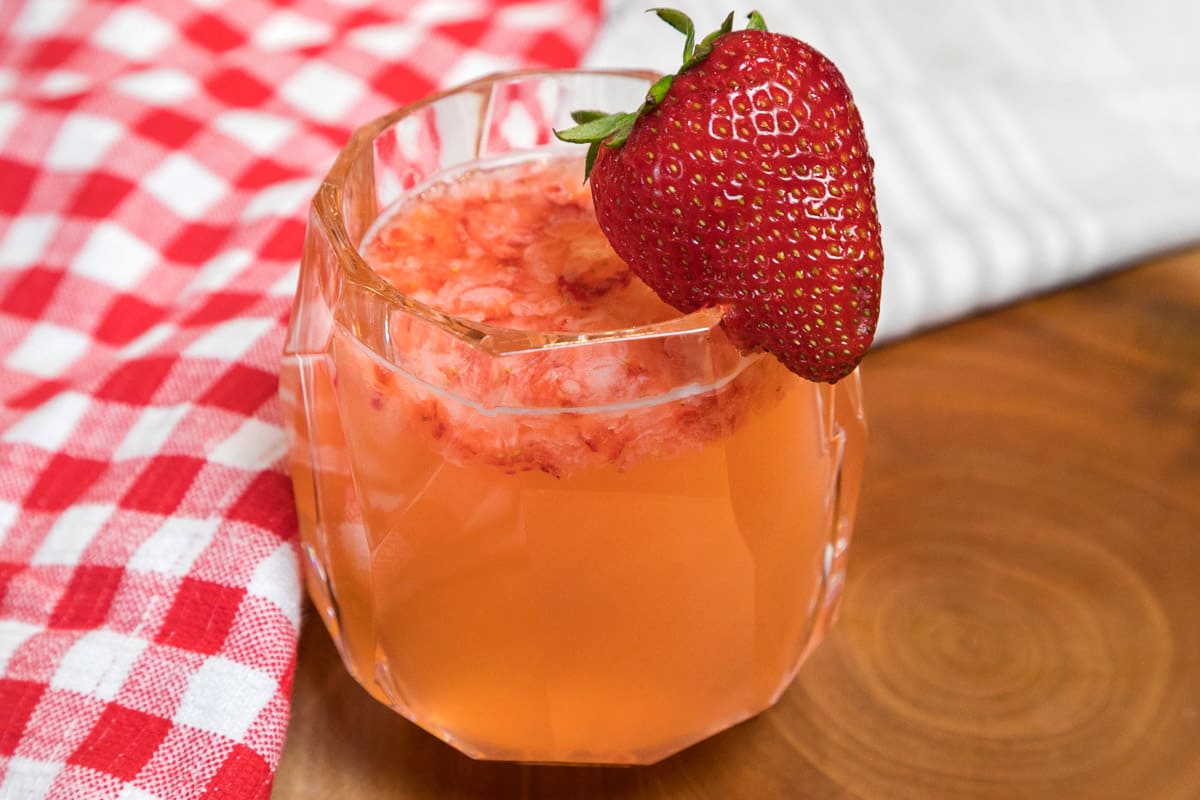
x=1020 y=145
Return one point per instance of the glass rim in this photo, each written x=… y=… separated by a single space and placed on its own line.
x=327 y=207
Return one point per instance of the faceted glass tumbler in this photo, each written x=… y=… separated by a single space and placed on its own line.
x=605 y=580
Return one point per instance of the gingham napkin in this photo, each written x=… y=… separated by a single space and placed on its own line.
x=155 y=164
x=1020 y=145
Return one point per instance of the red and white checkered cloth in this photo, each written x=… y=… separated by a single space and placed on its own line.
x=155 y=164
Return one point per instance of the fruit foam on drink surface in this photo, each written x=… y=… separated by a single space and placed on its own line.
x=515 y=246
x=518 y=246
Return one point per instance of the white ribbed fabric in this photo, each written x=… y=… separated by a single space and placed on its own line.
x=1019 y=145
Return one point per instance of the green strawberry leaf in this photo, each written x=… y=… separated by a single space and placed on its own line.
x=659 y=90
x=706 y=44
x=596 y=129
x=583 y=116
x=682 y=23
x=621 y=135
x=590 y=161
x=756 y=23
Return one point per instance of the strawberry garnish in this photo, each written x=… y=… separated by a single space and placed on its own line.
x=744 y=181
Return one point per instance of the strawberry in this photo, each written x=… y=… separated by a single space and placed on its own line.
x=744 y=181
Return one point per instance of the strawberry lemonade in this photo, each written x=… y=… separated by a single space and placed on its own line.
x=608 y=564
x=546 y=516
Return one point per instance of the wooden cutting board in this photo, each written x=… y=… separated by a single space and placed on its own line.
x=1022 y=617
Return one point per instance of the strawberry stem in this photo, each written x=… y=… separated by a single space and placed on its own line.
x=594 y=128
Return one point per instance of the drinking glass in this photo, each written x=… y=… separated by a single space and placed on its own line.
x=606 y=577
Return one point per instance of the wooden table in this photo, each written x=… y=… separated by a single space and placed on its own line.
x=1022 y=617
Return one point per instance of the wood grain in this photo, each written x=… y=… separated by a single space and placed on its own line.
x=1021 y=617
